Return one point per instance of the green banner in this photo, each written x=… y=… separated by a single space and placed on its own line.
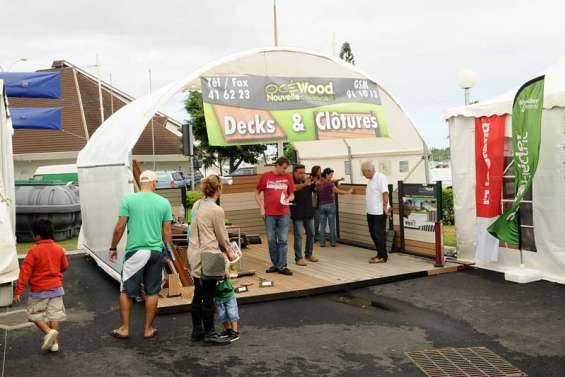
x=265 y=109
x=526 y=135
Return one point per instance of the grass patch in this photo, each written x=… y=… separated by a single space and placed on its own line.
x=449 y=235
x=70 y=244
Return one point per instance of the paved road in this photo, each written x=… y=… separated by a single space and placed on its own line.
x=365 y=332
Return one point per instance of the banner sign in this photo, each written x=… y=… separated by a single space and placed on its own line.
x=32 y=84
x=261 y=109
x=419 y=210
x=36 y=118
x=526 y=132
x=489 y=164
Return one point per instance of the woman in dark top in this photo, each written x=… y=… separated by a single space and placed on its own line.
x=326 y=203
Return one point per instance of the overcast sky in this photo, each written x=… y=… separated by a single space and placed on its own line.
x=413 y=48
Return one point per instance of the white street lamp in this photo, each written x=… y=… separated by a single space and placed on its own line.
x=466 y=79
x=11 y=65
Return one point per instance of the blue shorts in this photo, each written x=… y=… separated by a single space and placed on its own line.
x=227 y=309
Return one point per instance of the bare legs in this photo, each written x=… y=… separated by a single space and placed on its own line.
x=150 y=311
x=126 y=304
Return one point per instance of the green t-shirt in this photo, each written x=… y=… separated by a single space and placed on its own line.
x=146 y=212
x=224 y=289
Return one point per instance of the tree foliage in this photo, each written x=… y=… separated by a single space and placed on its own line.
x=211 y=155
x=346 y=54
x=440 y=154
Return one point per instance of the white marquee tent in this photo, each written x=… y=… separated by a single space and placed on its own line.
x=104 y=164
x=548 y=194
x=9 y=268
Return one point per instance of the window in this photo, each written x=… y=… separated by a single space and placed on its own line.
x=403 y=166
x=526 y=209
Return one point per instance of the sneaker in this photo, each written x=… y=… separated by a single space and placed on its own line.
x=226 y=333
x=213 y=338
x=49 y=339
x=272 y=269
x=197 y=335
x=234 y=336
x=54 y=347
x=300 y=262
x=322 y=245
x=285 y=271
x=312 y=258
x=334 y=245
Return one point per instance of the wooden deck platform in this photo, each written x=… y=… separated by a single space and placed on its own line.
x=339 y=268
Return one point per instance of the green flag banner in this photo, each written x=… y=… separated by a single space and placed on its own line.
x=526 y=132
x=265 y=109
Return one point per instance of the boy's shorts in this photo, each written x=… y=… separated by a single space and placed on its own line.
x=142 y=266
x=46 y=309
x=227 y=309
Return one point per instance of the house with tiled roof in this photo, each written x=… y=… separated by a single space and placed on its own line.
x=81 y=115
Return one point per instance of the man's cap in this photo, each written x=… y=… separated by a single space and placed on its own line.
x=148 y=176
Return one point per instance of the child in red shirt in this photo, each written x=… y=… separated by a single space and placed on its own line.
x=43 y=269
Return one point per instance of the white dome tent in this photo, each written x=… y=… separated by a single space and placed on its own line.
x=548 y=192
x=104 y=164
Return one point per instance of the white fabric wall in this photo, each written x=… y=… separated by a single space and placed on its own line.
x=9 y=268
x=548 y=197
x=101 y=192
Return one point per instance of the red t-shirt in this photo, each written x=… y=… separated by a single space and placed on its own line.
x=43 y=267
x=272 y=186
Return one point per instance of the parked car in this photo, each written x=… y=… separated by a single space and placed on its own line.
x=197 y=178
x=170 y=179
x=249 y=170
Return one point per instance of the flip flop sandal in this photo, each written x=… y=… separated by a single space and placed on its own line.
x=116 y=334
x=155 y=332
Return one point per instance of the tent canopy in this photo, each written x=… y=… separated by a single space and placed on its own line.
x=115 y=138
x=104 y=163
x=548 y=189
x=9 y=267
x=554 y=96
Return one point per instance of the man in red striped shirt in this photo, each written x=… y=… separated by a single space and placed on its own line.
x=42 y=270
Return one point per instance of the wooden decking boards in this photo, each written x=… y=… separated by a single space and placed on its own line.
x=339 y=268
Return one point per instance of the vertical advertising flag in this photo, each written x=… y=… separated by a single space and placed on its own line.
x=526 y=135
x=489 y=166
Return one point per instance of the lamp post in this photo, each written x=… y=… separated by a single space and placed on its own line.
x=466 y=80
x=11 y=65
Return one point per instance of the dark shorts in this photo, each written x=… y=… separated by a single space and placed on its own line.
x=150 y=273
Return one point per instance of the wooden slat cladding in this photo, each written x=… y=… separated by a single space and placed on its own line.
x=173 y=195
x=238 y=200
x=242 y=184
x=352 y=217
x=72 y=137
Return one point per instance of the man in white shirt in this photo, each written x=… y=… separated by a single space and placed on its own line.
x=376 y=196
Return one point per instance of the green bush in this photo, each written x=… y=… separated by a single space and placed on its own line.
x=448 y=212
x=192 y=197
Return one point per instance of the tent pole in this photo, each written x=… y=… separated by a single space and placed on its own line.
x=427 y=161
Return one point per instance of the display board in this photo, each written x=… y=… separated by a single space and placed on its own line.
x=259 y=109
x=420 y=209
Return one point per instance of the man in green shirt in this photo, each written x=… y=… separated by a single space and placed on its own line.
x=147 y=217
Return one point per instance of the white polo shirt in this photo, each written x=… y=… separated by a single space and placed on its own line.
x=374 y=193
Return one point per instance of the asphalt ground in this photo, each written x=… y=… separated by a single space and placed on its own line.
x=364 y=332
